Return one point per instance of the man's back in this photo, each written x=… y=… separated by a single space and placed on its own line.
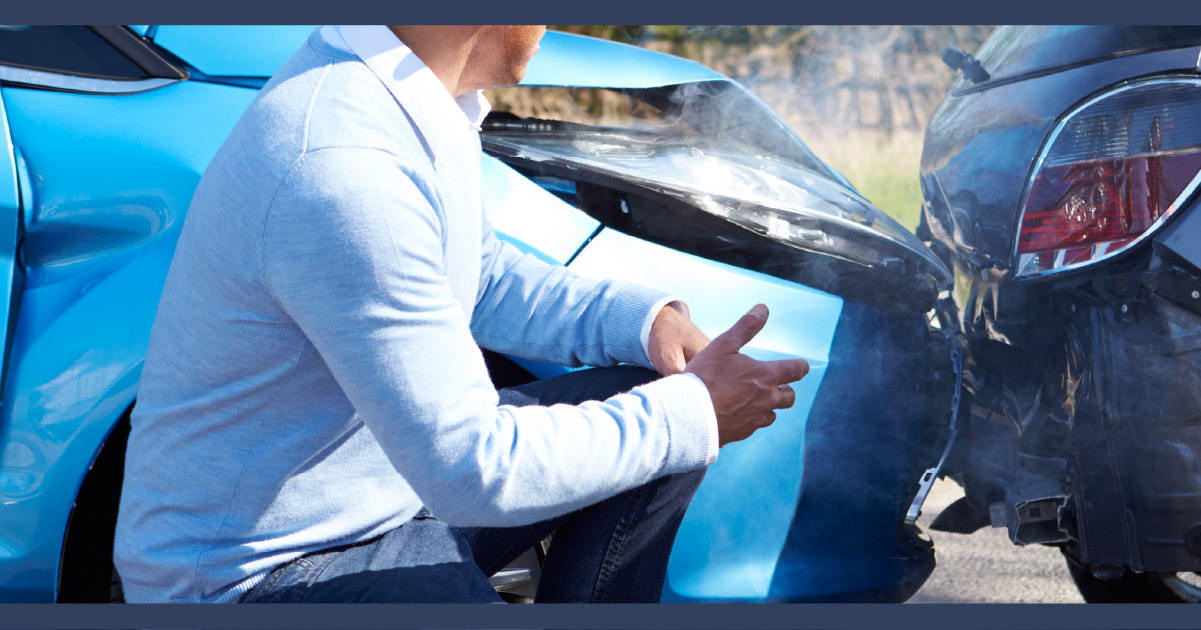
x=313 y=376
x=235 y=399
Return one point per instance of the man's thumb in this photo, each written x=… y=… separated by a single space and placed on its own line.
x=743 y=330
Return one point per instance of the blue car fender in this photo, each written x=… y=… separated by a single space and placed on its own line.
x=111 y=178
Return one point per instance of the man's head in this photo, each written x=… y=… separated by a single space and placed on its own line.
x=469 y=58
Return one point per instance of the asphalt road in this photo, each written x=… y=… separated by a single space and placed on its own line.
x=986 y=567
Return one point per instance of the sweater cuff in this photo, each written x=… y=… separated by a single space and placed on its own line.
x=623 y=326
x=691 y=422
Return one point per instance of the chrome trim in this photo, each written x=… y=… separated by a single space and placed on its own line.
x=1038 y=167
x=72 y=83
x=510 y=578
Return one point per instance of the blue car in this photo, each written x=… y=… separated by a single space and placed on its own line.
x=613 y=160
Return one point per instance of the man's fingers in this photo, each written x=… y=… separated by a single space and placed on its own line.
x=785 y=397
x=767 y=419
x=745 y=329
x=788 y=370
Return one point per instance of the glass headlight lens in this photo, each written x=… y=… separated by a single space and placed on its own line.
x=771 y=196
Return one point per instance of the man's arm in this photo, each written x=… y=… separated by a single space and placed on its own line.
x=528 y=308
x=352 y=250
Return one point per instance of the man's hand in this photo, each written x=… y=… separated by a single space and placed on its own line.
x=673 y=341
x=745 y=391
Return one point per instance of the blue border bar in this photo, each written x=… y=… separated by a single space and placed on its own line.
x=588 y=617
x=610 y=11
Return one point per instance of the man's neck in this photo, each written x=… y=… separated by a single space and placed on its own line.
x=445 y=51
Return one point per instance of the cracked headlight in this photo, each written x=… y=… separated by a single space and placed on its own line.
x=729 y=200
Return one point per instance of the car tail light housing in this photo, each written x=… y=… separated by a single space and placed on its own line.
x=1113 y=171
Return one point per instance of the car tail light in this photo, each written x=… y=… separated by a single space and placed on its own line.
x=1114 y=170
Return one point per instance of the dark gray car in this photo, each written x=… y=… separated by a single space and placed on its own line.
x=1059 y=178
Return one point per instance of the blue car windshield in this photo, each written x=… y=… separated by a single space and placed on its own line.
x=709 y=113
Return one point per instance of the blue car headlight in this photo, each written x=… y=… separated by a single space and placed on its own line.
x=723 y=197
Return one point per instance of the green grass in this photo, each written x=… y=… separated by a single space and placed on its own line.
x=885 y=170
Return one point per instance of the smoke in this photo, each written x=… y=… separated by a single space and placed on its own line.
x=828 y=80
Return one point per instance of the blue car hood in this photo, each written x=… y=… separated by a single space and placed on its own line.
x=563 y=59
x=578 y=61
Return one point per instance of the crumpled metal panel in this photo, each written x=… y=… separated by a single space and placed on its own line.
x=1105 y=424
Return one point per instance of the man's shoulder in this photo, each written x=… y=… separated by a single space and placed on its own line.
x=322 y=99
x=354 y=110
x=326 y=98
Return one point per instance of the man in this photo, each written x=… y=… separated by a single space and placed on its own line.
x=315 y=420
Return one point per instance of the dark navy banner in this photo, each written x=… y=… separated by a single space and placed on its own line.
x=588 y=617
x=608 y=12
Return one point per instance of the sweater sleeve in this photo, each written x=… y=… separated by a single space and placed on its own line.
x=544 y=312
x=352 y=250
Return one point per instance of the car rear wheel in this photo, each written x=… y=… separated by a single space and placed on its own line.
x=86 y=574
x=1136 y=588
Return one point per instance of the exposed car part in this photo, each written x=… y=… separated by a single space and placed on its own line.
x=1135 y=588
x=518 y=582
x=1062 y=193
x=928 y=477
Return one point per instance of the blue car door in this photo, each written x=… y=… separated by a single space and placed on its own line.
x=12 y=185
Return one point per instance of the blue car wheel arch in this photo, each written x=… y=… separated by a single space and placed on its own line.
x=94 y=189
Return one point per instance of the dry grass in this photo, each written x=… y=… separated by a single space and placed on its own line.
x=883 y=168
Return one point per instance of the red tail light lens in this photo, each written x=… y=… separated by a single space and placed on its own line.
x=1114 y=170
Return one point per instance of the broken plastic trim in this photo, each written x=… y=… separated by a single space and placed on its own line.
x=1035 y=521
x=927 y=481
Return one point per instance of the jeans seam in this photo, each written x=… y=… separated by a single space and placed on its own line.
x=273 y=578
x=600 y=592
x=314 y=573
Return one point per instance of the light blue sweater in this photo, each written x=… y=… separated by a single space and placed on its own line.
x=313 y=379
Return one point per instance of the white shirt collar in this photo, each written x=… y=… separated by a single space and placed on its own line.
x=412 y=83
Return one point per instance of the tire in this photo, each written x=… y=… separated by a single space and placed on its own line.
x=1135 y=588
x=86 y=573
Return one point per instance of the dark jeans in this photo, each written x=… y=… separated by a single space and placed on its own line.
x=613 y=551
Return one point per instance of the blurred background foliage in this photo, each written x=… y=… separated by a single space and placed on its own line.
x=860 y=96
